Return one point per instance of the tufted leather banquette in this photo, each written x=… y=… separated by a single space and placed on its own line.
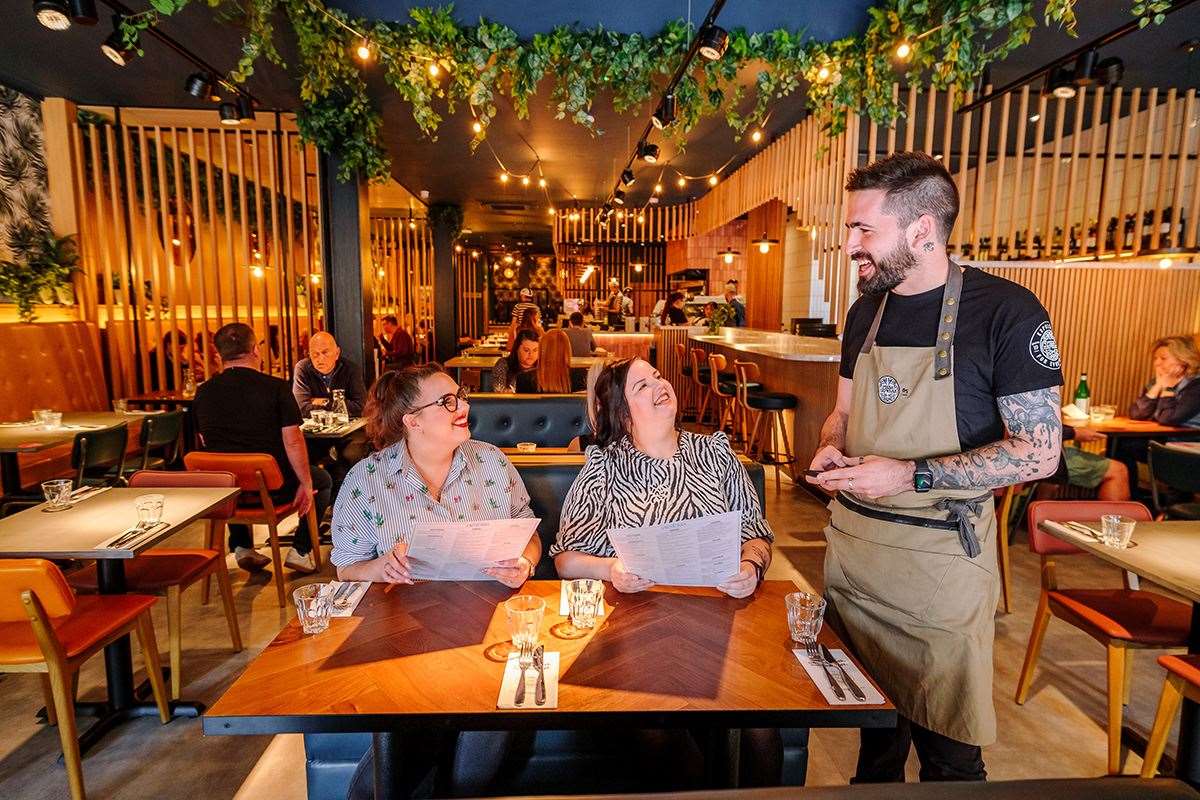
x=547 y=760
x=51 y=365
x=547 y=420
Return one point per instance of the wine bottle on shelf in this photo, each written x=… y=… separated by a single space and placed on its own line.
x=1164 y=227
x=1110 y=235
x=1091 y=236
x=1127 y=240
x=1083 y=394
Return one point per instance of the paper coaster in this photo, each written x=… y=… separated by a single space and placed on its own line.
x=508 y=686
x=874 y=698
x=564 y=605
x=355 y=596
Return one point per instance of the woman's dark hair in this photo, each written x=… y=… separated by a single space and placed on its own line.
x=523 y=335
x=528 y=321
x=393 y=395
x=672 y=299
x=608 y=410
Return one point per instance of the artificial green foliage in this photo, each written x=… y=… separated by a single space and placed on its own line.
x=448 y=215
x=44 y=269
x=952 y=42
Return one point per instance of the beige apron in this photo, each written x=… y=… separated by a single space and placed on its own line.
x=917 y=602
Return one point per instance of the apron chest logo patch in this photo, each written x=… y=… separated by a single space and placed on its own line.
x=889 y=389
x=1043 y=348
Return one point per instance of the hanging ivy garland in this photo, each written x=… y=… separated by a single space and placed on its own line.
x=951 y=42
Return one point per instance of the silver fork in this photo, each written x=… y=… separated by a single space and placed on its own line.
x=814 y=653
x=524 y=662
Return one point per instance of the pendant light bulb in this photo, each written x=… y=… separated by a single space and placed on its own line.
x=728 y=255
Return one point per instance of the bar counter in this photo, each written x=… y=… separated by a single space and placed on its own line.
x=801 y=365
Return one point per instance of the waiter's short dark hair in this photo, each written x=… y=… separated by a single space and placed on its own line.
x=915 y=184
x=576 y=318
x=234 y=340
x=390 y=319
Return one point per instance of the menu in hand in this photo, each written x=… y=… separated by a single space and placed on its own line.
x=459 y=551
x=703 y=551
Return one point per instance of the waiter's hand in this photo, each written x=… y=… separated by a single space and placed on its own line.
x=873 y=476
x=828 y=457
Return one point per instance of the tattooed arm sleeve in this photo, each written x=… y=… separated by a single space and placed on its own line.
x=1030 y=451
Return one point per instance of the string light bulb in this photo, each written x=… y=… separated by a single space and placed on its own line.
x=257 y=271
x=712 y=179
x=823 y=74
x=903 y=51
x=315 y=278
x=434 y=69
x=756 y=137
x=682 y=182
x=474 y=254
x=380 y=273
x=477 y=126
x=550 y=211
x=524 y=180
x=504 y=177
x=541 y=183
x=1164 y=263
x=458 y=248
x=637 y=267
x=658 y=188
x=641 y=219
x=412 y=224
x=364 y=50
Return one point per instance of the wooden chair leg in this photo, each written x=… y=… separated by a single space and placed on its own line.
x=703 y=409
x=215 y=541
x=755 y=445
x=68 y=734
x=48 y=698
x=1116 y=688
x=1127 y=688
x=1168 y=706
x=235 y=635
x=1005 y=566
x=175 y=638
x=1041 y=619
x=277 y=561
x=775 y=451
x=787 y=446
x=145 y=630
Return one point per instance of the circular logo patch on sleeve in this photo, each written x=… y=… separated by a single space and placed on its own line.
x=889 y=389
x=1043 y=348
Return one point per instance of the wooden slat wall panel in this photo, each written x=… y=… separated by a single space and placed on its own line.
x=654 y=223
x=402 y=254
x=189 y=228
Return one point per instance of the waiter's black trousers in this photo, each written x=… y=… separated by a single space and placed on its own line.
x=883 y=752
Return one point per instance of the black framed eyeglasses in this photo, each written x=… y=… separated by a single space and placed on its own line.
x=447 y=401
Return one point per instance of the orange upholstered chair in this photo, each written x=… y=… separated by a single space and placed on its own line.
x=167 y=571
x=257 y=475
x=45 y=628
x=1120 y=619
x=1183 y=680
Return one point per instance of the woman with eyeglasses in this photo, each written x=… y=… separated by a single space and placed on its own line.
x=426 y=469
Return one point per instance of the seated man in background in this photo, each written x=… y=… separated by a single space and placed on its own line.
x=325 y=370
x=739 y=310
x=1087 y=470
x=583 y=341
x=241 y=410
x=395 y=344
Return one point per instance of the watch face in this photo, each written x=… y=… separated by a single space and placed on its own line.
x=923 y=481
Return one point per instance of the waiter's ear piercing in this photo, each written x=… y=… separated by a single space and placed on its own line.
x=928 y=247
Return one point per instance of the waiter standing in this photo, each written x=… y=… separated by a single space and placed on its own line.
x=950 y=386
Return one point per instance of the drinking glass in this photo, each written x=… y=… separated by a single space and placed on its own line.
x=121 y=406
x=51 y=420
x=39 y=415
x=525 y=613
x=1116 y=531
x=58 y=494
x=149 y=509
x=805 y=612
x=583 y=599
x=313 y=606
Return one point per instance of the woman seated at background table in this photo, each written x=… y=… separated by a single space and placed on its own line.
x=642 y=470
x=554 y=373
x=672 y=313
x=517 y=372
x=426 y=468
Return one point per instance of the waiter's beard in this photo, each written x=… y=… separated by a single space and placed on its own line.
x=889 y=271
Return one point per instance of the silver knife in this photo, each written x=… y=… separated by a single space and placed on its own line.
x=539 y=692
x=146 y=533
x=857 y=692
x=1081 y=528
x=833 y=683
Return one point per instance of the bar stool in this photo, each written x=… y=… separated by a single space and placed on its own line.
x=700 y=383
x=769 y=406
x=1183 y=680
x=724 y=388
x=687 y=400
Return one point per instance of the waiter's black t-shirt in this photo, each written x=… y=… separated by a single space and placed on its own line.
x=1003 y=345
x=241 y=410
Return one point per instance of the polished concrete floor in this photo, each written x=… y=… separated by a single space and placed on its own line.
x=1059 y=732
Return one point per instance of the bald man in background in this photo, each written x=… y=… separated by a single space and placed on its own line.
x=323 y=371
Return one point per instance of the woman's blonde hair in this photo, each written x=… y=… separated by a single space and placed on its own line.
x=1183 y=348
x=554 y=362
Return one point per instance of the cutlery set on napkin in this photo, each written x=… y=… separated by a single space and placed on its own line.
x=131 y=538
x=515 y=691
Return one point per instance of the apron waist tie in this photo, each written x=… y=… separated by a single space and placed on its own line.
x=960 y=512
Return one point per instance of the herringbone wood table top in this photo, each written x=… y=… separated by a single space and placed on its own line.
x=434 y=653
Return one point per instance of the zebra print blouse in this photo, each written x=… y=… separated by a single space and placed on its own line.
x=620 y=487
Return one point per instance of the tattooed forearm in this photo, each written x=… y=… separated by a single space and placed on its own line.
x=833 y=432
x=1031 y=450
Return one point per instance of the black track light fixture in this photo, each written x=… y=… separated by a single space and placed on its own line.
x=648 y=152
x=52 y=14
x=713 y=42
x=665 y=114
x=229 y=114
x=1058 y=83
x=245 y=109
x=619 y=197
x=627 y=178
x=115 y=47
x=1085 y=68
x=1109 y=71
x=202 y=86
x=83 y=12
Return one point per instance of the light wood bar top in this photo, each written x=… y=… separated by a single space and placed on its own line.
x=434 y=652
x=78 y=531
x=1167 y=553
x=783 y=346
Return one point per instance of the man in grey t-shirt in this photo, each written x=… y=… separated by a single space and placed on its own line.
x=583 y=342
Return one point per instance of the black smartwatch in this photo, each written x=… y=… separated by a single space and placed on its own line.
x=922 y=476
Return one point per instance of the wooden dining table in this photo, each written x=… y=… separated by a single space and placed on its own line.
x=1126 y=428
x=431 y=656
x=29 y=437
x=484 y=364
x=81 y=532
x=1167 y=553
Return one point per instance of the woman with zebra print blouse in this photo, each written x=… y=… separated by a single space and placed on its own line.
x=642 y=471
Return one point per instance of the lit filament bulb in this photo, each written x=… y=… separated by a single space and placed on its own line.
x=712 y=180
x=364 y=50
x=756 y=137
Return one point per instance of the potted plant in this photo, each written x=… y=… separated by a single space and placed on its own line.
x=722 y=315
x=44 y=269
